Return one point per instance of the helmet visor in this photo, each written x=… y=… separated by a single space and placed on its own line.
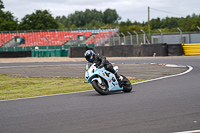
x=88 y=58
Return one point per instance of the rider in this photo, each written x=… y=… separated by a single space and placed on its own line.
x=101 y=61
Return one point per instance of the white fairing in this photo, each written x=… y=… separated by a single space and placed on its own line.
x=94 y=73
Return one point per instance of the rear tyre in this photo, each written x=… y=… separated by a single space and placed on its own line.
x=100 y=88
x=127 y=87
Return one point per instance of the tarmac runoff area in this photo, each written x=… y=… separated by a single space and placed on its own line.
x=139 y=71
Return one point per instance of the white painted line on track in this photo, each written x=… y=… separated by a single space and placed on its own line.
x=194 y=131
x=171 y=65
x=39 y=66
x=167 y=65
x=190 y=69
x=45 y=96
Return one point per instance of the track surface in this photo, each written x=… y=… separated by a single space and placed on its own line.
x=141 y=71
x=162 y=106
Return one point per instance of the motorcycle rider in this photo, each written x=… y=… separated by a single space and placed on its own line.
x=101 y=61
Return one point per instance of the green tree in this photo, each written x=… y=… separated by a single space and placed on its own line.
x=7 y=20
x=89 y=18
x=110 y=16
x=1 y=5
x=128 y=22
x=122 y=24
x=38 y=20
x=155 y=23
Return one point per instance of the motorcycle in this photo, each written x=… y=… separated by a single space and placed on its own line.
x=104 y=81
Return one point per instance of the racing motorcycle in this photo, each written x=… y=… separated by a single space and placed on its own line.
x=104 y=81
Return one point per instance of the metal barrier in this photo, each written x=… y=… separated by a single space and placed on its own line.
x=191 y=49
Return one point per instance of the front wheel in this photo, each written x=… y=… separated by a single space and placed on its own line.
x=100 y=88
x=127 y=87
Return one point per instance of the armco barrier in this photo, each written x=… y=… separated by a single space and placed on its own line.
x=15 y=54
x=191 y=49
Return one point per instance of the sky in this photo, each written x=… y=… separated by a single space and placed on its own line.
x=134 y=10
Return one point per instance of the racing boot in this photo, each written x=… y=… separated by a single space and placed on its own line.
x=119 y=78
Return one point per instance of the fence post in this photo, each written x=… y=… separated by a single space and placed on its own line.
x=161 y=35
x=103 y=39
x=198 y=27
x=113 y=39
x=108 y=39
x=124 y=38
x=25 y=43
x=47 y=43
x=180 y=35
x=143 y=35
x=199 y=30
x=136 y=36
x=95 y=42
x=99 y=40
x=130 y=37
x=118 y=37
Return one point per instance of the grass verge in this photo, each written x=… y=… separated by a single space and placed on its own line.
x=21 y=87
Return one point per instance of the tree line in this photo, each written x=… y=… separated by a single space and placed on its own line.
x=43 y=19
x=166 y=25
x=89 y=18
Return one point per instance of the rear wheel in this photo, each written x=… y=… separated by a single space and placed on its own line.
x=127 y=87
x=100 y=88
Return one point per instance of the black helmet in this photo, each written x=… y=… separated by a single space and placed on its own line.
x=89 y=55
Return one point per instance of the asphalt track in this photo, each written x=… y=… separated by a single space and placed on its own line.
x=130 y=68
x=161 y=106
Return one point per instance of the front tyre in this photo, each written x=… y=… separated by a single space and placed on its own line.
x=127 y=87
x=100 y=88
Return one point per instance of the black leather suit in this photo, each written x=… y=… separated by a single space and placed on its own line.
x=101 y=61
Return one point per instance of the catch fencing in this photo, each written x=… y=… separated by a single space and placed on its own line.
x=185 y=38
x=118 y=40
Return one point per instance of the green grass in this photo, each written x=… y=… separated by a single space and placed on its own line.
x=21 y=87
